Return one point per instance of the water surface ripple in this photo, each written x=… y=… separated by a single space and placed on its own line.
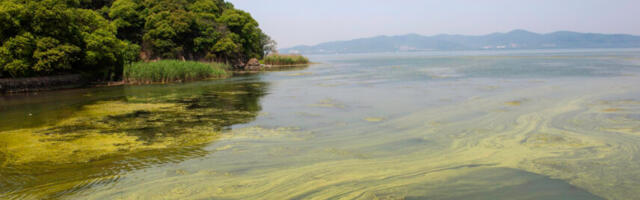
x=561 y=124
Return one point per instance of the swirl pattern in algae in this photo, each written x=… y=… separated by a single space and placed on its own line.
x=104 y=139
x=560 y=146
x=527 y=126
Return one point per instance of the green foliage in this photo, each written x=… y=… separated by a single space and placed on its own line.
x=51 y=55
x=199 y=29
x=250 y=36
x=172 y=71
x=204 y=6
x=127 y=16
x=16 y=55
x=280 y=59
x=130 y=52
x=52 y=37
x=98 y=37
x=9 y=19
x=168 y=32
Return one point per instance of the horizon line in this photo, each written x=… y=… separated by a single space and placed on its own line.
x=440 y=34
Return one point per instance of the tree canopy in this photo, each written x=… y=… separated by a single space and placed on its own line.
x=97 y=37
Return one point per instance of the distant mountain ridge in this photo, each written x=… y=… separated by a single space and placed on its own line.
x=516 y=39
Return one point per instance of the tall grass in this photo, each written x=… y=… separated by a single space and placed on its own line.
x=284 y=59
x=165 y=71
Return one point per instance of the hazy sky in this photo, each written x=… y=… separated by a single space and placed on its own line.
x=296 y=22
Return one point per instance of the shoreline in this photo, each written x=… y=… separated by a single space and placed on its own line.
x=10 y=86
x=271 y=68
x=42 y=83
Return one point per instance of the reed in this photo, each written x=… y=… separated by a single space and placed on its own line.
x=165 y=71
x=285 y=59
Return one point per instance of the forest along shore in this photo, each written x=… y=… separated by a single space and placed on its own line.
x=49 y=45
x=157 y=72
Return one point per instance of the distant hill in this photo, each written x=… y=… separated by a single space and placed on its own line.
x=517 y=39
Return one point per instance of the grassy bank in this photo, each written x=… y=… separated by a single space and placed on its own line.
x=165 y=71
x=282 y=59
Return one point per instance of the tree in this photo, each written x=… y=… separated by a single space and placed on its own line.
x=53 y=37
x=270 y=46
x=127 y=16
x=97 y=37
x=250 y=35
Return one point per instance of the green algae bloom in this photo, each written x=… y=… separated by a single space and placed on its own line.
x=100 y=134
x=486 y=132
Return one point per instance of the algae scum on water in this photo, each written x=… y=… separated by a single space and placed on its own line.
x=106 y=132
x=523 y=125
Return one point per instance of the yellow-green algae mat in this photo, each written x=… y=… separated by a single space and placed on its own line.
x=87 y=136
x=567 y=140
x=103 y=134
x=563 y=141
x=587 y=141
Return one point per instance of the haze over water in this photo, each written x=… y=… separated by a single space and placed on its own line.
x=545 y=124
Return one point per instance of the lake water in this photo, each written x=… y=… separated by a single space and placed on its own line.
x=561 y=124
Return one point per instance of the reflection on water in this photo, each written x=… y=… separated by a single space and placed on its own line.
x=123 y=129
x=435 y=125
